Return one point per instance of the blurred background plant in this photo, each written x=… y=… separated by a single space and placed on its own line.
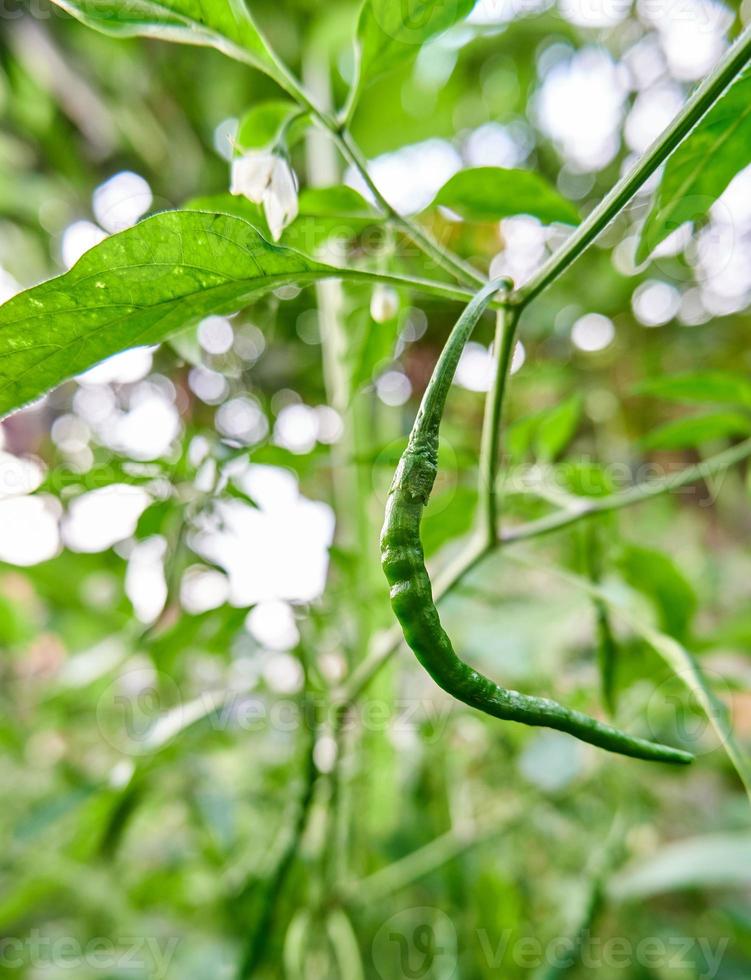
x=189 y=532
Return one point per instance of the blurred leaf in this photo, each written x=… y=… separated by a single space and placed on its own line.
x=657 y=576
x=702 y=167
x=335 y=201
x=392 y=31
x=492 y=193
x=225 y=25
x=586 y=479
x=557 y=427
x=450 y=516
x=261 y=125
x=698 y=429
x=703 y=386
x=713 y=861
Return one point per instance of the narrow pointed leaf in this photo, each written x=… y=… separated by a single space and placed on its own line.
x=718 y=387
x=698 y=429
x=702 y=166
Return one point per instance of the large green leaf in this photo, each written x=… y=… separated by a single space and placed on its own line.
x=392 y=31
x=702 y=166
x=492 y=193
x=718 y=387
x=557 y=427
x=223 y=24
x=140 y=286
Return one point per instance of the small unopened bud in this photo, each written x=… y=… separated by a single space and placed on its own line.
x=384 y=303
x=280 y=200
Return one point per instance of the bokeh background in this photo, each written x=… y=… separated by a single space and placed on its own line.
x=168 y=529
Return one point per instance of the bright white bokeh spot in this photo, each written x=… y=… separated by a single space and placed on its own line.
x=145 y=584
x=655 y=303
x=19 y=475
x=210 y=386
x=475 y=368
x=148 y=429
x=393 y=388
x=242 y=419
x=119 y=202
x=494 y=145
x=410 y=177
x=70 y=433
x=330 y=425
x=296 y=429
x=524 y=238
x=645 y=62
x=272 y=625
x=692 y=34
x=283 y=673
x=78 y=238
x=501 y=11
x=203 y=588
x=595 y=13
x=215 y=334
x=651 y=113
x=29 y=531
x=592 y=332
x=100 y=518
x=124 y=368
x=275 y=550
x=324 y=753
x=580 y=106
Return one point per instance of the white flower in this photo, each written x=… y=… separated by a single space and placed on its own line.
x=251 y=175
x=384 y=303
x=266 y=178
x=280 y=201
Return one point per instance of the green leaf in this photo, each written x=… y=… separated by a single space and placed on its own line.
x=225 y=25
x=492 y=193
x=557 y=428
x=702 y=166
x=136 y=288
x=262 y=125
x=390 y=32
x=698 y=429
x=720 y=387
x=657 y=576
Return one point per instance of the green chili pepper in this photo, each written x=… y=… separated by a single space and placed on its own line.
x=411 y=591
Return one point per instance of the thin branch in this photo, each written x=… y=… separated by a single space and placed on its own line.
x=633 y=495
x=503 y=347
x=447 y=847
x=619 y=195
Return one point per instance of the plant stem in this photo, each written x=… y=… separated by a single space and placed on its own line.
x=443 y=258
x=622 y=192
x=633 y=495
x=503 y=347
x=479 y=548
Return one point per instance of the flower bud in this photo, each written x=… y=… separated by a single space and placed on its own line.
x=251 y=175
x=384 y=303
x=280 y=200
